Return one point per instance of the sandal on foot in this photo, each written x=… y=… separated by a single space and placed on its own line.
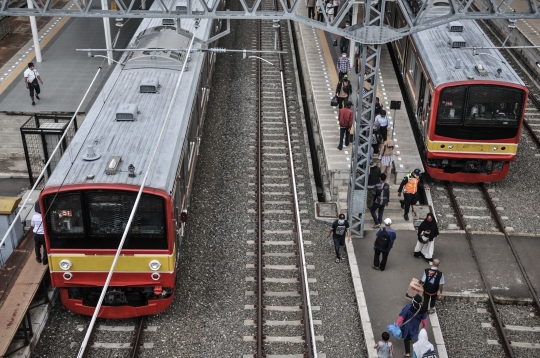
x=431 y=311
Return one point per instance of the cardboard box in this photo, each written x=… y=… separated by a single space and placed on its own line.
x=415 y=288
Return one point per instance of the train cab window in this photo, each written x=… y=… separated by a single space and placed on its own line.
x=64 y=216
x=451 y=105
x=494 y=106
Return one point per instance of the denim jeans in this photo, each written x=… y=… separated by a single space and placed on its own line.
x=337 y=243
x=373 y=208
x=343 y=132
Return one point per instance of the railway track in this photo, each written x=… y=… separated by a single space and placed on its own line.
x=283 y=313
x=122 y=338
x=511 y=331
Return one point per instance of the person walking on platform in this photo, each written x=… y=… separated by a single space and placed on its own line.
x=381 y=123
x=386 y=157
x=381 y=197
x=310 y=4
x=422 y=346
x=384 y=242
x=343 y=65
x=39 y=235
x=410 y=319
x=409 y=186
x=330 y=10
x=384 y=348
x=433 y=283
x=345 y=119
x=378 y=107
x=31 y=77
x=427 y=232
x=343 y=41
x=373 y=179
x=340 y=228
x=343 y=90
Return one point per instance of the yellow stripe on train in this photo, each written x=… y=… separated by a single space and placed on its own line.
x=102 y=263
x=471 y=147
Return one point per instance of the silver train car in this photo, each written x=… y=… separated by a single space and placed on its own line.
x=88 y=199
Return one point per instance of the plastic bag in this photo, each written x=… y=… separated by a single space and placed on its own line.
x=334 y=101
x=394 y=330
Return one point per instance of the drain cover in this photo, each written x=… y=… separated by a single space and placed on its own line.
x=327 y=210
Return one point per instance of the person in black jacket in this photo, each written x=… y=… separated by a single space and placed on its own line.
x=373 y=179
x=343 y=91
x=381 y=197
x=433 y=283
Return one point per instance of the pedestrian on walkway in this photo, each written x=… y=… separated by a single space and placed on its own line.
x=373 y=179
x=378 y=106
x=336 y=4
x=310 y=4
x=39 y=235
x=343 y=41
x=409 y=186
x=31 y=77
x=382 y=123
x=386 y=157
x=343 y=90
x=340 y=228
x=427 y=232
x=320 y=16
x=345 y=118
x=343 y=65
x=423 y=347
x=381 y=197
x=384 y=348
x=384 y=242
x=433 y=283
x=330 y=10
x=410 y=319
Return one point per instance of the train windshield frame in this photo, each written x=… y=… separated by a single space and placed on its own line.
x=480 y=112
x=96 y=219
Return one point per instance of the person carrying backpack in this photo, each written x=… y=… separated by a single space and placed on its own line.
x=384 y=241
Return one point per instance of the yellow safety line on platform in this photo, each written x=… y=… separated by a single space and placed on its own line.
x=31 y=56
x=329 y=60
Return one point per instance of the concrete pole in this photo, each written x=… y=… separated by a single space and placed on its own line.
x=35 y=35
x=107 y=26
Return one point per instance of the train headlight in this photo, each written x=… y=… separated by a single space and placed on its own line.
x=154 y=265
x=495 y=148
x=450 y=146
x=65 y=264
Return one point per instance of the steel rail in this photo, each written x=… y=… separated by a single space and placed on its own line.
x=499 y=326
x=135 y=346
x=533 y=134
x=502 y=228
x=259 y=306
x=309 y=330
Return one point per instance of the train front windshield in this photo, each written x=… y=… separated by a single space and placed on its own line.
x=97 y=220
x=479 y=112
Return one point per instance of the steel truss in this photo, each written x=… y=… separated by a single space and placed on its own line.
x=414 y=13
x=367 y=85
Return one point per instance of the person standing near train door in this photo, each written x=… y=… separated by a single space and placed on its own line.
x=39 y=235
x=409 y=186
x=31 y=77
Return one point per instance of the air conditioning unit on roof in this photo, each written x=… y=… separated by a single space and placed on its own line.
x=126 y=112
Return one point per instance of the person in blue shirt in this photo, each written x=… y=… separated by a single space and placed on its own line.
x=409 y=320
x=383 y=245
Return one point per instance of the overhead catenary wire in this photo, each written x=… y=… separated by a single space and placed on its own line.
x=133 y=211
x=51 y=157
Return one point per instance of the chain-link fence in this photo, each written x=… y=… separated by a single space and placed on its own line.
x=40 y=135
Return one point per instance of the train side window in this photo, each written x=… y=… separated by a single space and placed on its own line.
x=64 y=216
x=451 y=105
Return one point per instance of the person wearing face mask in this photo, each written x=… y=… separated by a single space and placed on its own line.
x=344 y=42
x=31 y=77
x=409 y=186
x=340 y=228
x=427 y=232
x=433 y=283
x=343 y=66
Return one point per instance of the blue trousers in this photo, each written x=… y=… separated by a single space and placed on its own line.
x=374 y=207
x=337 y=243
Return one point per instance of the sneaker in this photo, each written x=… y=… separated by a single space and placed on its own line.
x=375 y=267
x=338 y=148
x=33 y=103
x=37 y=97
x=45 y=263
x=406 y=217
x=38 y=260
x=376 y=226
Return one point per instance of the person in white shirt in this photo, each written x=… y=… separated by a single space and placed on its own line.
x=39 y=235
x=31 y=77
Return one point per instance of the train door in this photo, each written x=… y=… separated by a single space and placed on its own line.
x=421 y=94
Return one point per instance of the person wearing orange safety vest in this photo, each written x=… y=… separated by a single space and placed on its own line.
x=409 y=186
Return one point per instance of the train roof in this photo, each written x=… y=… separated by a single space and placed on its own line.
x=441 y=59
x=120 y=98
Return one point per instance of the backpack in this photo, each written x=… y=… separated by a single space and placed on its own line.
x=383 y=240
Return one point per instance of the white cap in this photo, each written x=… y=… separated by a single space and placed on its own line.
x=388 y=221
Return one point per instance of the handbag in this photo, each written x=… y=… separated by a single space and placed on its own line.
x=423 y=238
x=335 y=43
x=334 y=101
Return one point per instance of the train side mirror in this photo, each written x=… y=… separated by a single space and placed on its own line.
x=183 y=217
